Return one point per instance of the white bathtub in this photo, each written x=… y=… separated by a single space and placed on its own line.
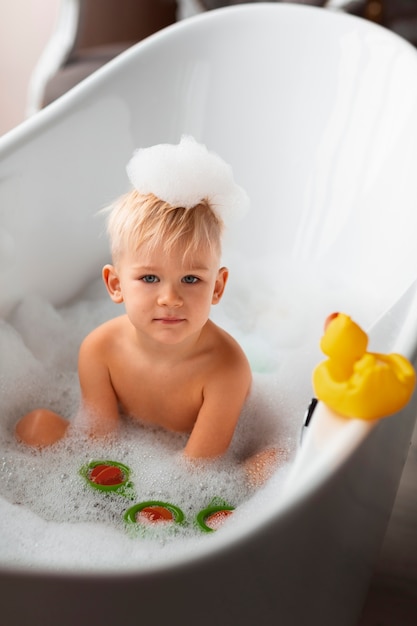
x=316 y=113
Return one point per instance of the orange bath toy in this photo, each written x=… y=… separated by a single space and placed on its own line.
x=357 y=383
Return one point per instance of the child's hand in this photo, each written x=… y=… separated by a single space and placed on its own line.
x=260 y=467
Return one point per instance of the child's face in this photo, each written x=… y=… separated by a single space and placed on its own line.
x=166 y=297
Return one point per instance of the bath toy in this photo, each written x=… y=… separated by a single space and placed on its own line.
x=213 y=516
x=154 y=512
x=108 y=476
x=357 y=383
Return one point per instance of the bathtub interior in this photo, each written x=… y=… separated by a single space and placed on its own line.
x=316 y=117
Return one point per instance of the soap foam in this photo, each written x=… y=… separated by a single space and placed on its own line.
x=49 y=515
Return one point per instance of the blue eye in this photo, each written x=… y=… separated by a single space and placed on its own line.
x=150 y=278
x=190 y=280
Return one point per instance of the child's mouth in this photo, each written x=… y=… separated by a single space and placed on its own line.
x=169 y=320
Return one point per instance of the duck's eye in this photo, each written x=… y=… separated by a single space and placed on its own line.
x=190 y=280
x=150 y=278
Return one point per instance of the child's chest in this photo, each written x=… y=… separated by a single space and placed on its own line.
x=170 y=397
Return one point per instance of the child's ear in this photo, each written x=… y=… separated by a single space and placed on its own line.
x=220 y=284
x=112 y=282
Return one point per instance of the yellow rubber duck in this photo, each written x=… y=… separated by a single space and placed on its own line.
x=357 y=383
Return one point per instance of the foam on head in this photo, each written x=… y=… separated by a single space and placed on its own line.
x=184 y=174
x=182 y=194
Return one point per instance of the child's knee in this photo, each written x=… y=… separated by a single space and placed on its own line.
x=41 y=428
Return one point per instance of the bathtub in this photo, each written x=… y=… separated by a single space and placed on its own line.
x=315 y=110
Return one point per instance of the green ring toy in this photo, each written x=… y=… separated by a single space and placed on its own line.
x=206 y=513
x=131 y=514
x=124 y=487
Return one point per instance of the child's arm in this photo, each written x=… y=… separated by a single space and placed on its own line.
x=99 y=412
x=224 y=396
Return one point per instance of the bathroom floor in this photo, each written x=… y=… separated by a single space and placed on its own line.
x=392 y=597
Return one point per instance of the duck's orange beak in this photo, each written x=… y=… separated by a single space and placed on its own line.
x=329 y=319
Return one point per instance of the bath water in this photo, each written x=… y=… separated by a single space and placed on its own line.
x=49 y=515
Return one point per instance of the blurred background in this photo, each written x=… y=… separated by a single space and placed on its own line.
x=25 y=27
x=47 y=46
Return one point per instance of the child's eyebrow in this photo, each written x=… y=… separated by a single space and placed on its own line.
x=198 y=268
x=151 y=269
x=144 y=268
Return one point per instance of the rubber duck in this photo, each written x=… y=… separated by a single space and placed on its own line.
x=356 y=383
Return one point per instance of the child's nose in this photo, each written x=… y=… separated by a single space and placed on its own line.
x=169 y=296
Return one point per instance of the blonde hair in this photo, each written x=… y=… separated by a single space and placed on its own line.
x=142 y=220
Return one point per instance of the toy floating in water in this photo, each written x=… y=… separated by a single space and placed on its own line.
x=111 y=476
x=108 y=476
x=154 y=512
x=357 y=383
x=213 y=517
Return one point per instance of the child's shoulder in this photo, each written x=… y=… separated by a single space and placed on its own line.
x=224 y=345
x=105 y=334
x=229 y=364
